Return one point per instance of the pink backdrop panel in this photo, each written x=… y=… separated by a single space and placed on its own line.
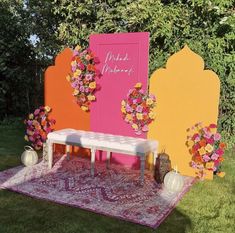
x=123 y=62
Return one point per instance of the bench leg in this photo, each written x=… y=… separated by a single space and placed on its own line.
x=142 y=167
x=92 y=162
x=50 y=155
x=108 y=160
x=67 y=152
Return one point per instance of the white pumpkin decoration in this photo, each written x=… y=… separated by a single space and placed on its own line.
x=173 y=181
x=29 y=157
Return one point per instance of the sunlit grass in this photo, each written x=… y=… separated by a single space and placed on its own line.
x=208 y=207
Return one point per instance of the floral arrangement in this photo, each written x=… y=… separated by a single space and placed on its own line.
x=206 y=149
x=83 y=77
x=38 y=126
x=137 y=109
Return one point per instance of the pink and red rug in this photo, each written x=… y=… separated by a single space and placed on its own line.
x=115 y=192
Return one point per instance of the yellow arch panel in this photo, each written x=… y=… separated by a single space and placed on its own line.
x=186 y=94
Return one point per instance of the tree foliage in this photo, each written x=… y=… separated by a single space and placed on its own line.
x=206 y=26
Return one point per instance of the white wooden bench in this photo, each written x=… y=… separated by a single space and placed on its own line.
x=105 y=142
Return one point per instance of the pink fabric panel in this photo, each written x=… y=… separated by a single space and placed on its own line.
x=123 y=62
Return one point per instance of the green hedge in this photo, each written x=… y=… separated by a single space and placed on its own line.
x=206 y=26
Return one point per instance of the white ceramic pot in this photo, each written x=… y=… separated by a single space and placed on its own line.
x=173 y=181
x=29 y=157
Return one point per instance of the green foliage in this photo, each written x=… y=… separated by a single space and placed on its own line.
x=206 y=26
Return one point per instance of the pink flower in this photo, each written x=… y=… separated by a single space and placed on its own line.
x=197 y=139
x=134 y=101
x=89 y=77
x=214 y=156
x=210 y=141
x=217 y=137
x=207 y=135
x=139 y=108
x=74 y=68
x=129 y=108
x=206 y=158
x=81 y=66
x=195 y=136
x=145 y=128
x=153 y=97
x=75 y=53
x=219 y=152
x=82 y=88
x=36 y=112
x=213 y=126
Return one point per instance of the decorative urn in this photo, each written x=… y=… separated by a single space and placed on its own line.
x=162 y=166
x=29 y=157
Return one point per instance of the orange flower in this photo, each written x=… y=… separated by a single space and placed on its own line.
x=221 y=159
x=202 y=142
x=90 y=67
x=222 y=145
x=198 y=158
x=78 y=59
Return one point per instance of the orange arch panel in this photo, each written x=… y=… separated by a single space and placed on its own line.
x=58 y=95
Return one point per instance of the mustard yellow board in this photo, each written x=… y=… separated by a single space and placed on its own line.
x=186 y=94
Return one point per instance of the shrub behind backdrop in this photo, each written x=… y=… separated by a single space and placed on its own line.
x=206 y=26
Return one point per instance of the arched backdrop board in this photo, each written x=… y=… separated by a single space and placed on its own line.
x=123 y=62
x=186 y=94
x=58 y=95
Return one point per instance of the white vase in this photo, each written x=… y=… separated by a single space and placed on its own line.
x=29 y=157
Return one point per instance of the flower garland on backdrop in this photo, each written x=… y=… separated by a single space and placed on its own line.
x=38 y=125
x=206 y=149
x=83 y=77
x=137 y=109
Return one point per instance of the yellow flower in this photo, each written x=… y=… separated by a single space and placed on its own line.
x=78 y=47
x=123 y=109
x=73 y=63
x=149 y=101
x=134 y=126
x=31 y=116
x=77 y=73
x=138 y=85
x=26 y=138
x=47 y=108
x=221 y=174
x=123 y=103
x=75 y=92
x=91 y=97
x=92 y=85
x=152 y=115
x=84 y=108
x=68 y=78
x=29 y=133
x=209 y=148
x=213 y=130
x=129 y=117
x=209 y=165
x=190 y=143
x=202 y=151
x=139 y=116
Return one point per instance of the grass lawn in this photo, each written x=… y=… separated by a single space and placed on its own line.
x=208 y=207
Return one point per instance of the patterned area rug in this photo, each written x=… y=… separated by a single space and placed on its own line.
x=115 y=192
